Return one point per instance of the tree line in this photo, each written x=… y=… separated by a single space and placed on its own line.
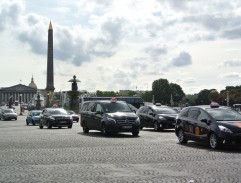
x=172 y=94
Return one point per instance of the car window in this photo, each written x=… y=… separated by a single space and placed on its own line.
x=150 y=112
x=145 y=110
x=98 y=108
x=202 y=115
x=116 y=107
x=193 y=113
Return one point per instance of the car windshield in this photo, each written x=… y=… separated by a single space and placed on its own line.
x=165 y=110
x=71 y=112
x=225 y=114
x=8 y=111
x=36 y=113
x=58 y=111
x=116 y=107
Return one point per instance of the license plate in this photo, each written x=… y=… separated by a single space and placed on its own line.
x=127 y=127
x=62 y=121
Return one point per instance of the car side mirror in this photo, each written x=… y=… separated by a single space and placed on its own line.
x=206 y=121
x=99 y=112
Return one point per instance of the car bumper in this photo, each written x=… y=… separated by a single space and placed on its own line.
x=61 y=123
x=231 y=139
x=123 y=128
x=167 y=124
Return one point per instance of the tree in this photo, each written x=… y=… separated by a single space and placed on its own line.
x=213 y=95
x=147 y=96
x=161 y=91
x=202 y=98
x=177 y=93
x=105 y=93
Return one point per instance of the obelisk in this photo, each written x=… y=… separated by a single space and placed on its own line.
x=50 y=63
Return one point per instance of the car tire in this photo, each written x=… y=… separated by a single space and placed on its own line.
x=104 y=130
x=156 y=127
x=40 y=126
x=70 y=126
x=181 y=137
x=49 y=125
x=85 y=129
x=16 y=119
x=135 y=133
x=214 y=141
x=27 y=123
x=33 y=123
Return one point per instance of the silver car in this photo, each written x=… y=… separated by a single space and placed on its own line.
x=8 y=114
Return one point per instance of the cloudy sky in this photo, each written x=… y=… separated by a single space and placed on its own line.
x=122 y=44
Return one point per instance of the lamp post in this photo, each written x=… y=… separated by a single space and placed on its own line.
x=20 y=100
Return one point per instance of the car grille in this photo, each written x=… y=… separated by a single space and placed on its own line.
x=126 y=121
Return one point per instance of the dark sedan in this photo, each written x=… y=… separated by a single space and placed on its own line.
x=55 y=117
x=157 y=117
x=209 y=124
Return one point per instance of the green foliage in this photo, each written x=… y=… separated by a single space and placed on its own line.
x=203 y=98
x=106 y=93
x=177 y=93
x=147 y=96
x=161 y=91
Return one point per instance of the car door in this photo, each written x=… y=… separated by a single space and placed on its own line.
x=191 y=123
x=97 y=116
x=142 y=113
x=202 y=128
x=150 y=118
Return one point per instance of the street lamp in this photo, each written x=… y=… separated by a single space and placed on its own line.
x=20 y=100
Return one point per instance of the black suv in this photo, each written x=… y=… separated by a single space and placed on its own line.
x=109 y=117
x=157 y=117
x=210 y=124
x=55 y=117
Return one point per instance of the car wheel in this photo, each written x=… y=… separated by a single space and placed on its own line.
x=16 y=118
x=135 y=133
x=40 y=126
x=85 y=129
x=214 y=141
x=181 y=137
x=104 y=130
x=156 y=126
x=27 y=123
x=49 y=125
x=33 y=123
x=70 y=126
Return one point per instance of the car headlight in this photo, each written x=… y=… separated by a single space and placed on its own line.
x=161 y=118
x=224 y=129
x=111 y=120
x=51 y=118
x=138 y=121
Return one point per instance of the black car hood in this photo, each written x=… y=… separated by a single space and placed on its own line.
x=122 y=114
x=234 y=126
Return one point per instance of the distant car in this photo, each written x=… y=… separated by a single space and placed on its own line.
x=157 y=117
x=213 y=124
x=8 y=114
x=74 y=115
x=33 y=117
x=109 y=117
x=55 y=117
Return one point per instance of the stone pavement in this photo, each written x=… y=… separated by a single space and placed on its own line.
x=30 y=154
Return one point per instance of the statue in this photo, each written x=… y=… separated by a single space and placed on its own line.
x=38 y=104
x=74 y=84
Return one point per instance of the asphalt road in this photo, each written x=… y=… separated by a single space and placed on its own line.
x=30 y=154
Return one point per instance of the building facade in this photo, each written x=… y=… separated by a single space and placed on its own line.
x=26 y=93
